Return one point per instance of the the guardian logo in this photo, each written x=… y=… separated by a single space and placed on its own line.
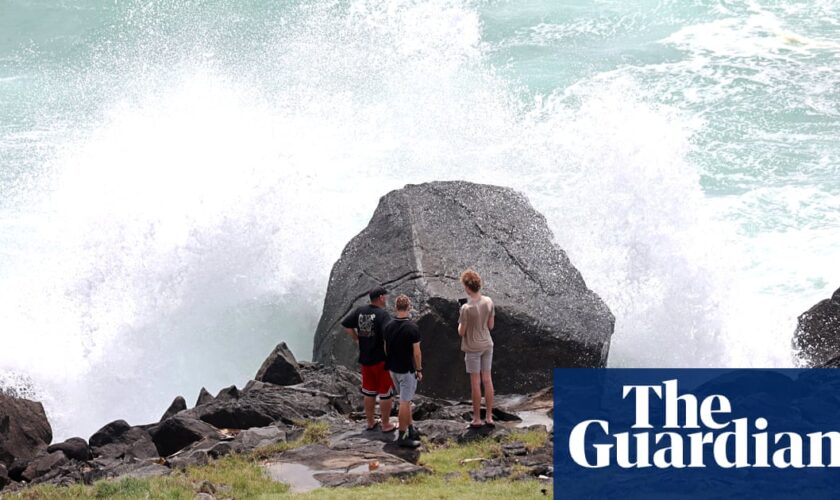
x=696 y=433
x=728 y=439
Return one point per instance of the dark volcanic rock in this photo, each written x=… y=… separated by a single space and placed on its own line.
x=64 y=474
x=490 y=473
x=178 y=405
x=498 y=433
x=260 y=404
x=204 y=397
x=201 y=453
x=817 y=336
x=832 y=363
x=228 y=393
x=258 y=437
x=43 y=464
x=440 y=431
x=180 y=431
x=418 y=242
x=280 y=368
x=341 y=384
x=75 y=448
x=426 y=408
x=17 y=468
x=109 y=434
x=108 y=468
x=24 y=429
x=4 y=477
x=118 y=439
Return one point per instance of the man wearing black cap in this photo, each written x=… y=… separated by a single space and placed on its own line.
x=366 y=325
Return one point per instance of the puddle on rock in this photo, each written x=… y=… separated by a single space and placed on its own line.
x=300 y=478
x=535 y=417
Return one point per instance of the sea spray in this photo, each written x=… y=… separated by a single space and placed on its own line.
x=177 y=179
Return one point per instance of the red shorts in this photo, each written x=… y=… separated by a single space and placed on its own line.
x=376 y=381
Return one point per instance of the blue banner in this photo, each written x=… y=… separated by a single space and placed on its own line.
x=696 y=433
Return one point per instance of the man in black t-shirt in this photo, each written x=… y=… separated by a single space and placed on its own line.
x=404 y=360
x=366 y=325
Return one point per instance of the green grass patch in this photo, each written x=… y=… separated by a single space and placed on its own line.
x=315 y=432
x=241 y=476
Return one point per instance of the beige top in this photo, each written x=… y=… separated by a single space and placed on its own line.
x=474 y=317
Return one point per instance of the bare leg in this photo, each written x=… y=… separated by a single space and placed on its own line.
x=385 y=406
x=475 y=384
x=488 y=395
x=405 y=415
x=370 y=407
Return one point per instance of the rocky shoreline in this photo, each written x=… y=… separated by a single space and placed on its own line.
x=275 y=407
x=548 y=316
x=419 y=240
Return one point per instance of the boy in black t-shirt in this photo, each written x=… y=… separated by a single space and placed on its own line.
x=404 y=360
x=366 y=325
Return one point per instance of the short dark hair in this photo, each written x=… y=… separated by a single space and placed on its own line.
x=377 y=292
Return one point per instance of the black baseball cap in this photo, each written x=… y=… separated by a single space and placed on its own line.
x=377 y=292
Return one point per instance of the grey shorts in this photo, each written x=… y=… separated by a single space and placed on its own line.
x=479 y=361
x=406 y=384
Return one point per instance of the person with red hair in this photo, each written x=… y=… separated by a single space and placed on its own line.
x=477 y=318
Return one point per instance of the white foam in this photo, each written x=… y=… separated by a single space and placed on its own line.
x=192 y=223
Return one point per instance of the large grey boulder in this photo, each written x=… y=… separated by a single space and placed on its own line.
x=25 y=431
x=418 y=242
x=817 y=336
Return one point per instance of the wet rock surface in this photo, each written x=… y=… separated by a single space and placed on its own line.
x=543 y=306
x=313 y=466
x=832 y=363
x=817 y=336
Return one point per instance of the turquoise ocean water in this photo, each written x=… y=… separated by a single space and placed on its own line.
x=177 y=177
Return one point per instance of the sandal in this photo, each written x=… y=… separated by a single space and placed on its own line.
x=392 y=429
x=372 y=427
